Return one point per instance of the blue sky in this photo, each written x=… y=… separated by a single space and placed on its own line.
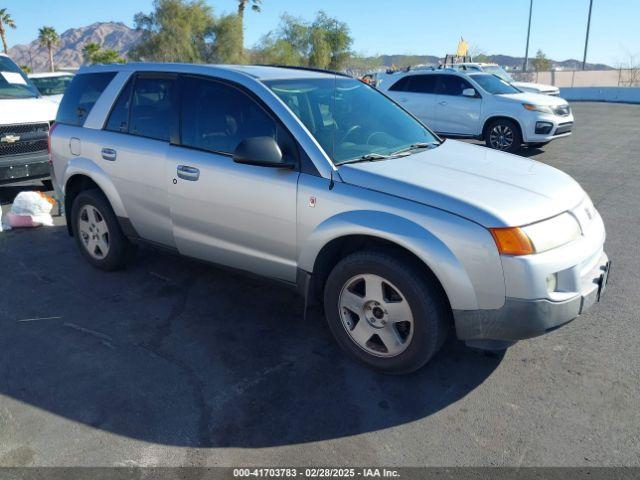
x=404 y=26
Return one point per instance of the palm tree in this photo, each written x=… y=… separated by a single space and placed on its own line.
x=242 y=5
x=48 y=38
x=5 y=19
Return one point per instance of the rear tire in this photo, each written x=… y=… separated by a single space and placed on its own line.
x=503 y=135
x=385 y=312
x=98 y=233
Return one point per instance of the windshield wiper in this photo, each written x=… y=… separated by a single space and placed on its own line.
x=416 y=146
x=374 y=157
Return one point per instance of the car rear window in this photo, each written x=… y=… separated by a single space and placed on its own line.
x=80 y=96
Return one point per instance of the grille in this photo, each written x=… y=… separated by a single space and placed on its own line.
x=562 y=111
x=563 y=128
x=23 y=138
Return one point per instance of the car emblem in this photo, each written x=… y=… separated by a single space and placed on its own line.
x=9 y=139
x=312 y=202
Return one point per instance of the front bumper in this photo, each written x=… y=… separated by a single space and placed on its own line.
x=16 y=168
x=521 y=318
x=560 y=126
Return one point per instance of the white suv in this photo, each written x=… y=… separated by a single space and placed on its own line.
x=483 y=106
x=494 y=69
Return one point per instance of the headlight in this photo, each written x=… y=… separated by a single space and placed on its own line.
x=537 y=237
x=537 y=108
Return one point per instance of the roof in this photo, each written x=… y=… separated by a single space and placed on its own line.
x=50 y=74
x=260 y=72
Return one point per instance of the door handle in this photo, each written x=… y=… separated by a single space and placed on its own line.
x=443 y=103
x=109 y=154
x=186 y=172
x=403 y=100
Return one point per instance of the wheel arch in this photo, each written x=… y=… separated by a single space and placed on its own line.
x=492 y=118
x=352 y=231
x=82 y=174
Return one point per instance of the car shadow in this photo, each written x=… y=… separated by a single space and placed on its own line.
x=175 y=352
x=530 y=152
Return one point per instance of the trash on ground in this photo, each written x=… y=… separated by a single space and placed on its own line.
x=30 y=209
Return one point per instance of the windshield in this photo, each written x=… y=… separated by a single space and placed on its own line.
x=349 y=119
x=498 y=71
x=13 y=81
x=52 y=85
x=494 y=85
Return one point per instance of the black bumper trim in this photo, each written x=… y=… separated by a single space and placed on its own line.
x=22 y=167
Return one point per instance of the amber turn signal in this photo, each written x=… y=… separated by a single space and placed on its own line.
x=512 y=241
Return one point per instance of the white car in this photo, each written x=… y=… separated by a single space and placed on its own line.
x=495 y=69
x=24 y=126
x=482 y=106
x=51 y=84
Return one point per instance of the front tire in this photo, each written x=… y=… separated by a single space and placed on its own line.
x=503 y=135
x=385 y=312
x=97 y=232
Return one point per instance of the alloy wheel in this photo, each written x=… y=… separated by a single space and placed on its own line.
x=376 y=315
x=501 y=137
x=94 y=232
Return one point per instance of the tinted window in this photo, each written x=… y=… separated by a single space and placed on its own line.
x=119 y=117
x=452 y=85
x=423 y=83
x=152 y=109
x=348 y=118
x=81 y=95
x=217 y=117
x=401 y=85
x=52 y=85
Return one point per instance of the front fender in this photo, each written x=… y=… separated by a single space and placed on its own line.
x=403 y=232
x=84 y=166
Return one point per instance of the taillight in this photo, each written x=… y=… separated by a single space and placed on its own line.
x=51 y=129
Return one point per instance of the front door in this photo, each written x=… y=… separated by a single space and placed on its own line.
x=457 y=114
x=243 y=216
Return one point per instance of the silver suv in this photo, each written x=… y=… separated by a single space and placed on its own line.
x=319 y=180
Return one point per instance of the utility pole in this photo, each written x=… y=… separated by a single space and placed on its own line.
x=525 y=67
x=586 y=40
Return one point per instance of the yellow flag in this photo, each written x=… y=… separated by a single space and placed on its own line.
x=463 y=48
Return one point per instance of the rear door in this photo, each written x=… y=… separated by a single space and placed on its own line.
x=133 y=151
x=455 y=113
x=417 y=94
x=243 y=216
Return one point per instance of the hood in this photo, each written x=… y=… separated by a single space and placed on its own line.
x=491 y=188
x=535 y=98
x=535 y=87
x=27 y=110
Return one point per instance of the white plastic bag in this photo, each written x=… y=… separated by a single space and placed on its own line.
x=34 y=205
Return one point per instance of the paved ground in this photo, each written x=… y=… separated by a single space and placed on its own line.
x=176 y=363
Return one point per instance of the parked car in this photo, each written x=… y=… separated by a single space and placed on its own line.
x=24 y=125
x=51 y=84
x=495 y=69
x=483 y=106
x=321 y=181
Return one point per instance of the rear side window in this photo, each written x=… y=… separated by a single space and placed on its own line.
x=81 y=96
x=152 y=107
x=401 y=85
x=119 y=117
x=424 y=83
x=217 y=117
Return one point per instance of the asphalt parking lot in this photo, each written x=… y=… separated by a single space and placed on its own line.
x=173 y=362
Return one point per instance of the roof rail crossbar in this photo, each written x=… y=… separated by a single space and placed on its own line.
x=311 y=69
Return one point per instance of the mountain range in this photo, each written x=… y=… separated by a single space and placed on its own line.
x=121 y=38
x=68 y=54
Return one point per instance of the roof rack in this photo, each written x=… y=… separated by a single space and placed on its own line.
x=311 y=69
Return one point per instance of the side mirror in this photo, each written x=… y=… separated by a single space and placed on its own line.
x=469 y=92
x=262 y=152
